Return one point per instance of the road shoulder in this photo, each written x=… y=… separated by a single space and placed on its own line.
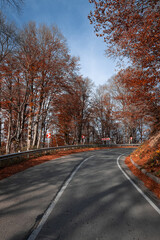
x=139 y=182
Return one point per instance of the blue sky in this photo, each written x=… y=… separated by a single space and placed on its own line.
x=70 y=16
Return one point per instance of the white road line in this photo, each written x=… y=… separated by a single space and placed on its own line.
x=138 y=189
x=36 y=231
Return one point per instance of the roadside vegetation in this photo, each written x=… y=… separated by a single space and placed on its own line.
x=10 y=170
x=148 y=155
x=130 y=30
x=42 y=90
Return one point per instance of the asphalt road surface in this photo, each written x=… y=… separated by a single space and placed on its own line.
x=87 y=197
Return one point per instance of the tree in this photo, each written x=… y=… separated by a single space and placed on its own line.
x=83 y=92
x=103 y=112
x=55 y=69
x=39 y=71
x=8 y=43
x=140 y=93
x=129 y=111
x=72 y=110
x=131 y=29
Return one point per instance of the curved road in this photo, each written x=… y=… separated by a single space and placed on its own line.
x=96 y=201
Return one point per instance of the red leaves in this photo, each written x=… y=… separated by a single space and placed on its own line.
x=31 y=78
x=132 y=30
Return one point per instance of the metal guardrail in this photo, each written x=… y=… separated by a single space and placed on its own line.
x=9 y=159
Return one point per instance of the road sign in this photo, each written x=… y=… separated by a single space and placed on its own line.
x=105 y=139
x=48 y=135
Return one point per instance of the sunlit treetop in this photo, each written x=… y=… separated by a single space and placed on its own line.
x=130 y=28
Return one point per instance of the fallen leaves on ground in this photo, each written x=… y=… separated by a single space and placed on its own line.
x=148 y=182
x=10 y=170
x=148 y=158
x=13 y=169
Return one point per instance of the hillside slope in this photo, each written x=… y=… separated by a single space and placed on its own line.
x=148 y=155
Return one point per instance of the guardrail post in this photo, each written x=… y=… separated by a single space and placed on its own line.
x=7 y=159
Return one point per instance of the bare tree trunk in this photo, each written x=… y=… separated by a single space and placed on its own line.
x=42 y=130
x=141 y=129
x=39 y=138
x=79 y=133
x=0 y=116
x=20 y=126
x=74 y=135
x=29 y=132
x=35 y=133
x=35 y=136
x=8 y=144
x=40 y=135
x=0 y=127
x=44 y=134
x=88 y=132
x=29 y=137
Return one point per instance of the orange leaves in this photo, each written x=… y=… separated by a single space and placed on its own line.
x=132 y=31
x=129 y=27
x=33 y=78
x=141 y=91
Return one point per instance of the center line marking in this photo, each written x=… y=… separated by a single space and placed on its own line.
x=44 y=218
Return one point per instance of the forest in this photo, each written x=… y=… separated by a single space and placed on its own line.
x=42 y=90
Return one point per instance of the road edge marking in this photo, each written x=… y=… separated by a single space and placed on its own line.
x=50 y=208
x=138 y=189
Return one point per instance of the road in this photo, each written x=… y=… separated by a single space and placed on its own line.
x=97 y=202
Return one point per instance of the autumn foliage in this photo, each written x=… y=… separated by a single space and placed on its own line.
x=39 y=81
x=42 y=90
x=131 y=29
